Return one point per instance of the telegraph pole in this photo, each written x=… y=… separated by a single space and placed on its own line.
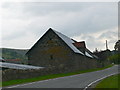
x=106 y=45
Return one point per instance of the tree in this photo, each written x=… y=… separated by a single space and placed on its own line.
x=115 y=59
x=117 y=45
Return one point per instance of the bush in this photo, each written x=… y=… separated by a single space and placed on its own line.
x=115 y=59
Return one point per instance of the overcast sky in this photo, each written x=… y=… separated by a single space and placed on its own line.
x=23 y=23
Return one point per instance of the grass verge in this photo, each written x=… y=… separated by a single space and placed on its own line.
x=21 y=81
x=110 y=82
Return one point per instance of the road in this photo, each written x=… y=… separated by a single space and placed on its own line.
x=74 y=81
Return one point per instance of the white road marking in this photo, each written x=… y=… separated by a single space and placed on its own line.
x=60 y=78
x=98 y=80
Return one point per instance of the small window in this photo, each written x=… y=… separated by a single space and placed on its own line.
x=51 y=57
x=50 y=38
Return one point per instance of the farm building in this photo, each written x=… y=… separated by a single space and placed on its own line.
x=6 y=65
x=54 y=49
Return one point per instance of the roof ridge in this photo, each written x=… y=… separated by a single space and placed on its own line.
x=60 y=33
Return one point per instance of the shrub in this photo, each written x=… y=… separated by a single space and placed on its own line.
x=115 y=59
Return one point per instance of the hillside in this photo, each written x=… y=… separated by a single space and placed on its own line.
x=8 y=53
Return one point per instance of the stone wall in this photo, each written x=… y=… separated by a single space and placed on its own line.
x=12 y=74
x=83 y=62
x=50 y=51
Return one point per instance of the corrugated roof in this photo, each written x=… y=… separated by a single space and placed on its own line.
x=18 y=66
x=68 y=41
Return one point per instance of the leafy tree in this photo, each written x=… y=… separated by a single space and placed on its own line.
x=117 y=45
x=115 y=59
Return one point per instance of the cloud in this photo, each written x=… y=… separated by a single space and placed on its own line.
x=98 y=39
x=25 y=42
x=80 y=20
x=77 y=17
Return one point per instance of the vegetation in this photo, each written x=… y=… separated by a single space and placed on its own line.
x=117 y=45
x=115 y=58
x=110 y=82
x=14 y=54
x=20 y=81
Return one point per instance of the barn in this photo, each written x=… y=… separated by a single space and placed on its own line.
x=55 y=49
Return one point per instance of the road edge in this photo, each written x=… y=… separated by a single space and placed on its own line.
x=90 y=84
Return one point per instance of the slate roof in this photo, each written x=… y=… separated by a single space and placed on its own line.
x=90 y=54
x=18 y=66
x=87 y=54
x=68 y=41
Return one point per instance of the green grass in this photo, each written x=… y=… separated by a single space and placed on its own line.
x=0 y=84
x=110 y=82
x=20 y=81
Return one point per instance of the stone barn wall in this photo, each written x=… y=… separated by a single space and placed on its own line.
x=50 y=51
x=83 y=62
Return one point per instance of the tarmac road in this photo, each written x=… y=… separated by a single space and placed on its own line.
x=75 y=81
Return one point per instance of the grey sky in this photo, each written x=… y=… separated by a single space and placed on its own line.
x=24 y=23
